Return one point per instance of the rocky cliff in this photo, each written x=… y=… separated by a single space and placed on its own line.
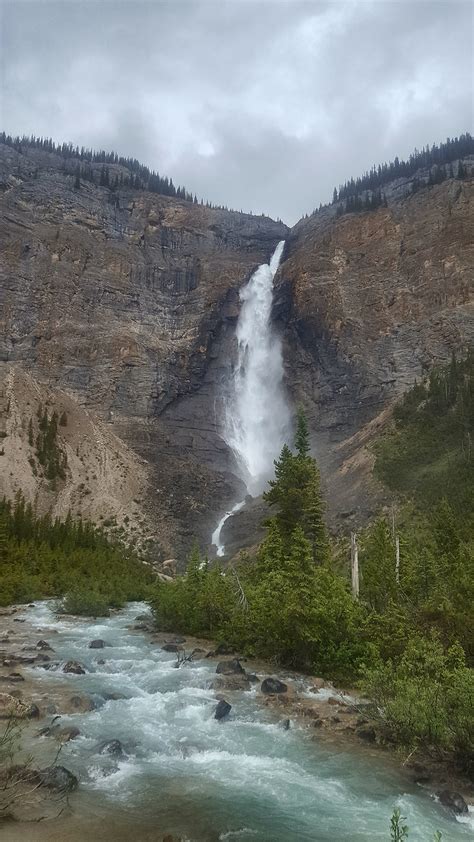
x=119 y=308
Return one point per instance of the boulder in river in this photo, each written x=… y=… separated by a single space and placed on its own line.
x=453 y=801
x=112 y=747
x=65 y=735
x=59 y=779
x=74 y=667
x=80 y=704
x=12 y=708
x=44 y=645
x=223 y=708
x=97 y=644
x=231 y=682
x=172 y=647
x=230 y=667
x=271 y=686
x=14 y=677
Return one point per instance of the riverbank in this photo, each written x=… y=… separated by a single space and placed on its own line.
x=212 y=773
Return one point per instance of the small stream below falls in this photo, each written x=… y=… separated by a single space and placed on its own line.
x=245 y=778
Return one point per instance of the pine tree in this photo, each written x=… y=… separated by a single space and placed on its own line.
x=302 y=435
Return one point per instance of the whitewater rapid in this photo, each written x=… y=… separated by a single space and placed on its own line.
x=184 y=773
x=256 y=415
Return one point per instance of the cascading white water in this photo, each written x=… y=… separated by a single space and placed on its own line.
x=256 y=413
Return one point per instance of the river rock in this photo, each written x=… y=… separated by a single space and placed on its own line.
x=272 y=686
x=65 y=735
x=74 y=667
x=453 y=801
x=59 y=779
x=112 y=747
x=11 y=707
x=229 y=667
x=366 y=733
x=33 y=712
x=97 y=644
x=80 y=704
x=223 y=708
x=224 y=649
x=44 y=645
x=231 y=682
x=197 y=654
x=317 y=684
x=14 y=677
x=172 y=647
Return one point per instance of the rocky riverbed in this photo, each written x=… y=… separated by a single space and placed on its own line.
x=164 y=737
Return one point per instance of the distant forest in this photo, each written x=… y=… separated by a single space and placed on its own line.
x=365 y=193
x=78 y=162
x=360 y=194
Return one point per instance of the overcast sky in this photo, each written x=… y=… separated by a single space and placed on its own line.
x=261 y=106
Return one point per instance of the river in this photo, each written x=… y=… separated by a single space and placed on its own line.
x=245 y=778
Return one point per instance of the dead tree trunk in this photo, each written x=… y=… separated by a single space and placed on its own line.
x=354 y=566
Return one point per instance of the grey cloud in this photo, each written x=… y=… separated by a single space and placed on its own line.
x=263 y=106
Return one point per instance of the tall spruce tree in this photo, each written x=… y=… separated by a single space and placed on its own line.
x=295 y=493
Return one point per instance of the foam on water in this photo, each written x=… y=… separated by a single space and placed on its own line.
x=244 y=778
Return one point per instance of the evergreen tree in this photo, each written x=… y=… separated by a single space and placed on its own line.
x=302 y=435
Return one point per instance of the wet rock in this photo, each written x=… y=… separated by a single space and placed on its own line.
x=272 y=686
x=101 y=661
x=59 y=779
x=172 y=647
x=112 y=747
x=223 y=709
x=74 y=667
x=286 y=724
x=80 y=704
x=14 y=678
x=44 y=646
x=317 y=684
x=113 y=697
x=12 y=707
x=229 y=667
x=178 y=639
x=33 y=712
x=17 y=620
x=453 y=801
x=366 y=733
x=252 y=678
x=197 y=654
x=97 y=644
x=65 y=735
x=231 y=682
x=333 y=701
x=317 y=722
x=224 y=649
x=41 y=658
x=142 y=627
x=143 y=618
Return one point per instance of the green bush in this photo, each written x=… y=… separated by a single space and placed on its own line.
x=426 y=698
x=84 y=603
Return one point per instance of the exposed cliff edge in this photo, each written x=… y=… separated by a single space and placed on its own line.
x=122 y=305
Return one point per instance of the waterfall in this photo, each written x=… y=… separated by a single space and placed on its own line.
x=256 y=413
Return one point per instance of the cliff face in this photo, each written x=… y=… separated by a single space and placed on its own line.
x=122 y=306
x=369 y=302
x=125 y=301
